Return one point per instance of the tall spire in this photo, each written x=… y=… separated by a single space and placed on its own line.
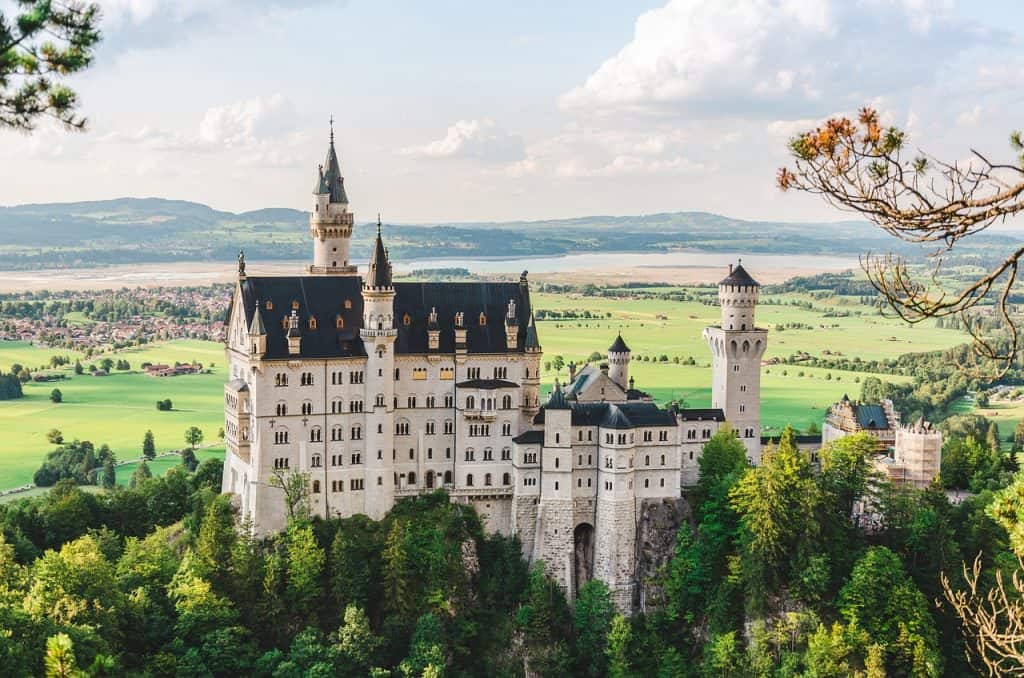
x=329 y=179
x=379 y=275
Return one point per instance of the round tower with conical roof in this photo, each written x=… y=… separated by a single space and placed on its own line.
x=330 y=222
x=737 y=346
x=619 y=356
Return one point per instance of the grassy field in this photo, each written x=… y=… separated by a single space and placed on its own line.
x=119 y=408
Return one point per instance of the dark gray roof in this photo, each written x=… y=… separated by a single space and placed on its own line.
x=532 y=342
x=557 y=401
x=615 y=415
x=324 y=297
x=739 y=277
x=487 y=384
x=871 y=417
x=619 y=346
x=380 y=266
x=528 y=437
x=330 y=179
x=800 y=439
x=713 y=414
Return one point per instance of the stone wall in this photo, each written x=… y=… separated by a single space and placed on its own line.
x=614 y=559
x=656 y=544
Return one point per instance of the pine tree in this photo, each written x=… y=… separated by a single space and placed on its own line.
x=148 y=446
x=141 y=474
x=109 y=473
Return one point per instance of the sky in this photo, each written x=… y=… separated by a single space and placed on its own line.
x=484 y=111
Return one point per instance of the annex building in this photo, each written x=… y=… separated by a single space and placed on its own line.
x=379 y=390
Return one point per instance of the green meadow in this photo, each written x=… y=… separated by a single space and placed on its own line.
x=116 y=409
x=119 y=408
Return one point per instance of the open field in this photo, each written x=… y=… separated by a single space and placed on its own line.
x=119 y=408
x=160 y=465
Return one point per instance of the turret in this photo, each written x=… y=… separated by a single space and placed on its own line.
x=330 y=222
x=433 y=330
x=257 y=334
x=737 y=346
x=618 y=362
x=379 y=334
x=737 y=296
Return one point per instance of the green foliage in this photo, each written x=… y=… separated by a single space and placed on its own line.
x=193 y=436
x=76 y=460
x=148 y=446
x=56 y=396
x=593 y=620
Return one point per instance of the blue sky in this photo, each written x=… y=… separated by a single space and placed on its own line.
x=492 y=111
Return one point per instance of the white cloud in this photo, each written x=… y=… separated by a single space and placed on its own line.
x=261 y=131
x=478 y=139
x=969 y=118
x=763 y=57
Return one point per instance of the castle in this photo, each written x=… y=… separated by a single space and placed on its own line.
x=379 y=390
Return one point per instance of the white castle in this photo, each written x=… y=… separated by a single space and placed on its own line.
x=379 y=390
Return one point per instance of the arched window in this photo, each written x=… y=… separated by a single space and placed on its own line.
x=412 y=478
x=447 y=477
x=506 y=402
x=316 y=487
x=487 y=479
x=469 y=480
x=430 y=479
x=470 y=403
x=315 y=435
x=483 y=319
x=339 y=322
x=506 y=479
x=315 y=461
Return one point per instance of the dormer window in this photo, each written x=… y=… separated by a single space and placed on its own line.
x=348 y=303
x=270 y=305
x=339 y=322
x=406 y=320
x=483 y=319
x=284 y=322
x=312 y=323
x=295 y=305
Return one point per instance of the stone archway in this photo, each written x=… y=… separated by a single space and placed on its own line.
x=582 y=556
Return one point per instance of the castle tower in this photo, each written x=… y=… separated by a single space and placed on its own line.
x=736 y=348
x=555 y=512
x=378 y=334
x=330 y=222
x=616 y=512
x=618 y=361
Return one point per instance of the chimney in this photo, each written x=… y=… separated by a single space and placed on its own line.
x=730 y=269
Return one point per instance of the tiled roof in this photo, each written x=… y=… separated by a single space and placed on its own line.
x=330 y=179
x=324 y=298
x=619 y=346
x=529 y=437
x=739 y=277
x=616 y=415
x=713 y=414
x=871 y=417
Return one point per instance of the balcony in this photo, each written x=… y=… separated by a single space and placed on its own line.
x=481 y=415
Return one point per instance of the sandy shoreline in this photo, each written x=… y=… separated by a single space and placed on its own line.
x=206 y=273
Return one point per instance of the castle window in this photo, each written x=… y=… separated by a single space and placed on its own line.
x=647 y=460
x=483 y=320
x=449 y=427
x=379 y=401
x=282 y=409
x=348 y=303
x=357 y=458
x=470 y=454
x=402 y=428
x=281 y=463
x=556 y=489
x=487 y=479
x=315 y=461
x=447 y=477
x=447 y=453
x=556 y=462
x=411 y=401
x=647 y=482
x=336 y=433
x=295 y=305
x=419 y=373
x=449 y=401
x=506 y=402
x=488 y=454
x=506 y=479
x=355 y=377
x=357 y=483
x=470 y=403
x=307 y=407
x=312 y=323
x=663 y=460
x=406 y=320
x=506 y=429
x=339 y=322
x=269 y=305
x=447 y=374
x=430 y=453
x=506 y=454
x=357 y=433
x=469 y=480
x=663 y=482
x=430 y=428
x=315 y=436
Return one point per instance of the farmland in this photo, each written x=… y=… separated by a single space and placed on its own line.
x=119 y=408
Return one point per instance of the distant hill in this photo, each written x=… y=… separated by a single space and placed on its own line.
x=135 y=230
